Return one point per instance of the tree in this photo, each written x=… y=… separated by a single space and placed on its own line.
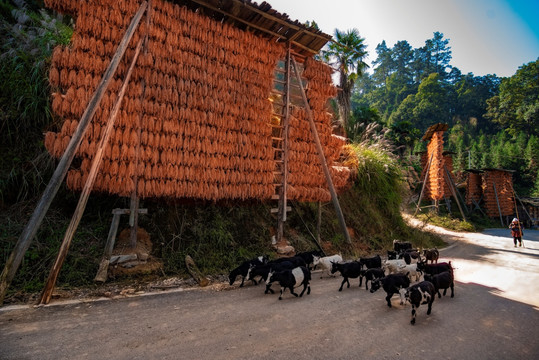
x=516 y=108
x=347 y=53
x=383 y=65
x=431 y=103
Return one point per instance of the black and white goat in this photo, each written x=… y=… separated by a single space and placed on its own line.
x=443 y=280
x=420 y=293
x=410 y=256
x=244 y=267
x=392 y=284
x=264 y=270
x=370 y=275
x=351 y=270
x=290 y=279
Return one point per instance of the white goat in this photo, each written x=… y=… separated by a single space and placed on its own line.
x=325 y=263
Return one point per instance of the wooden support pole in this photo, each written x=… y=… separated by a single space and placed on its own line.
x=281 y=212
x=135 y=200
x=96 y=163
x=498 y=202
x=319 y=222
x=29 y=232
x=321 y=157
x=454 y=192
x=423 y=186
x=452 y=183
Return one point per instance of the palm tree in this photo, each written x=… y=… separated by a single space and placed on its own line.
x=346 y=52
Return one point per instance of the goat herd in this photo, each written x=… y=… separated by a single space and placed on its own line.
x=404 y=266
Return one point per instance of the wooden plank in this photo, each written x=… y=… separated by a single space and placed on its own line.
x=81 y=205
x=57 y=178
x=276 y=210
x=321 y=157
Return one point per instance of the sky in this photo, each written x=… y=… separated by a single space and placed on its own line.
x=485 y=36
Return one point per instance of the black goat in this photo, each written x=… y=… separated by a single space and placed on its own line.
x=296 y=260
x=400 y=246
x=244 y=267
x=420 y=293
x=392 y=284
x=433 y=269
x=347 y=270
x=443 y=280
x=371 y=262
x=290 y=279
x=370 y=275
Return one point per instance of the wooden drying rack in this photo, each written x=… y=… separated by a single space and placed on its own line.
x=63 y=166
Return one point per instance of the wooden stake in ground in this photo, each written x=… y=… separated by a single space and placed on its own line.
x=498 y=203
x=29 y=232
x=321 y=156
x=75 y=220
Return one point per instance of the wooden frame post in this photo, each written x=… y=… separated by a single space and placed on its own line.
x=285 y=119
x=321 y=157
x=96 y=163
x=29 y=232
x=423 y=186
x=454 y=192
x=498 y=203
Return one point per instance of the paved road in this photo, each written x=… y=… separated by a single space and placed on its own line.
x=494 y=315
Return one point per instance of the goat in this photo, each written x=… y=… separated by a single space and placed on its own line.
x=264 y=270
x=392 y=266
x=308 y=257
x=244 y=267
x=347 y=270
x=413 y=274
x=433 y=269
x=296 y=260
x=421 y=293
x=443 y=280
x=391 y=255
x=400 y=246
x=325 y=263
x=410 y=257
x=290 y=279
x=370 y=275
x=371 y=262
x=432 y=255
x=392 y=284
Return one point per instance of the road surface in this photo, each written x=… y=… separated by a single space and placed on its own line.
x=494 y=315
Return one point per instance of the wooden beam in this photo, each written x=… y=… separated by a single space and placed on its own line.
x=135 y=200
x=424 y=184
x=267 y=31
x=57 y=178
x=454 y=192
x=81 y=205
x=321 y=157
